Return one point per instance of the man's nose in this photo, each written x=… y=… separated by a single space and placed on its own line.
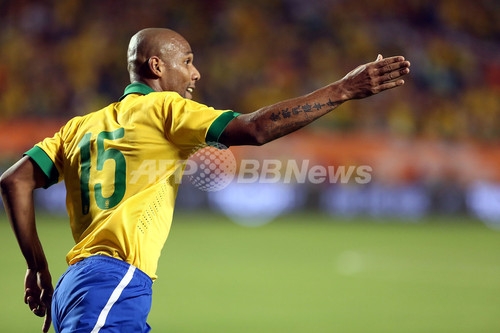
x=195 y=75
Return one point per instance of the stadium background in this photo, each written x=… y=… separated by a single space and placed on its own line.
x=416 y=249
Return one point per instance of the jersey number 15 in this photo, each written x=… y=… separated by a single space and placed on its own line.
x=102 y=156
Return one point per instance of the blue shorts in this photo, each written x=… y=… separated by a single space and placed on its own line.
x=102 y=294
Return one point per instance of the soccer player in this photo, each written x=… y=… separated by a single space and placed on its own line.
x=119 y=226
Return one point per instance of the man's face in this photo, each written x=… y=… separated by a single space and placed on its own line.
x=180 y=74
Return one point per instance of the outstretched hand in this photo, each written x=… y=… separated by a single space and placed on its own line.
x=371 y=78
x=38 y=294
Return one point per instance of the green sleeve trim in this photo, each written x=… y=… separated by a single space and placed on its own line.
x=218 y=126
x=48 y=167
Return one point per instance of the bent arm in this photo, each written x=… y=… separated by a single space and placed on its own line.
x=280 y=119
x=17 y=185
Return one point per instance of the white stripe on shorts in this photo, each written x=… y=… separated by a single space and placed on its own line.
x=113 y=298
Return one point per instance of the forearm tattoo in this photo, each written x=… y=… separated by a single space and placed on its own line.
x=306 y=109
x=290 y=119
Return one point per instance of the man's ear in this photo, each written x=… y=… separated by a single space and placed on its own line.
x=155 y=66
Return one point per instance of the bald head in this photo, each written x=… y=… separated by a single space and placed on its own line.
x=162 y=59
x=148 y=43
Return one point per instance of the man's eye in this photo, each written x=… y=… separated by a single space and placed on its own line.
x=187 y=61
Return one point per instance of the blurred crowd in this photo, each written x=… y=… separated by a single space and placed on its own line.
x=59 y=59
x=64 y=58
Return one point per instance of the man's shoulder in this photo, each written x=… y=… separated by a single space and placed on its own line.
x=75 y=121
x=88 y=120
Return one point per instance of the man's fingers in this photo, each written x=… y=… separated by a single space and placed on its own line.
x=27 y=293
x=40 y=310
x=34 y=294
x=393 y=67
x=388 y=61
x=38 y=295
x=394 y=75
x=47 y=321
x=390 y=85
x=33 y=303
x=36 y=306
x=46 y=298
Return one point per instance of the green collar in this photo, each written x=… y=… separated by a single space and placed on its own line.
x=137 y=88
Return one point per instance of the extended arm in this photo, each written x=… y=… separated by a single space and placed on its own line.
x=277 y=120
x=17 y=185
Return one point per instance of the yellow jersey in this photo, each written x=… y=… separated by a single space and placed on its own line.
x=115 y=207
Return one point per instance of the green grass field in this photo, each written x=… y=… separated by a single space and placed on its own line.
x=301 y=273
